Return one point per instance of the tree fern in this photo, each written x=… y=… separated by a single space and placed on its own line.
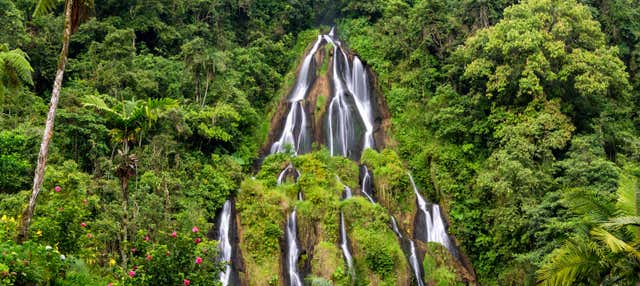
x=14 y=67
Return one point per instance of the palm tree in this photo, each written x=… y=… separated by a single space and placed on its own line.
x=75 y=11
x=608 y=252
x=129 y=119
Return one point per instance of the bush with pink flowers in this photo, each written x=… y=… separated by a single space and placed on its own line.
x=171 y=259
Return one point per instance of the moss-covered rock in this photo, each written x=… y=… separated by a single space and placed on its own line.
x=391 y=184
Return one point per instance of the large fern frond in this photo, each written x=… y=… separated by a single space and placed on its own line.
x=16 y=62
x=574 y=259
x=587 y=202
x=100 y=105
x=614 y=243
x=45 y=6
x=619 y=222
x=628 y=196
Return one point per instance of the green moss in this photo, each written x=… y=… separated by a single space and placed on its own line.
x=391 y=182
x=328 y=262
x=321 y=102
x=325 y=61
x=438 y=266
x=377 y=253
x=378 y=257
x=346 y=169
x=262 y=213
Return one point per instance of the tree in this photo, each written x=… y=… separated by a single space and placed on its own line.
x=129 y=118
x=75 y=11
x=607 y=253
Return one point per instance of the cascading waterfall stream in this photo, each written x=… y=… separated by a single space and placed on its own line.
x=224 y=242
x=415 y=264
x=434 y=224
x=350 y=83
x=394 y=224
x=416 y=267
x=348 y=130
x=344 y=244
x=296 y=121
x=344 y=241
x=366 y=184
x=293 y=251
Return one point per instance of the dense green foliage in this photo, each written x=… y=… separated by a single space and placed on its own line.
x=519 y=117
x=499 y=122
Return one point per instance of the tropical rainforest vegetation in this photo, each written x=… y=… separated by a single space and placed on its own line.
x=519 y=117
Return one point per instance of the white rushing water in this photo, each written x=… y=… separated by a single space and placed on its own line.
x=359 y=87
x=283 y=174
x=344 y=244
x=292 y=250
x=224 y=242
x=344 y=241
x=296 y=120
x=415 y=264
x=349 y=79
x=347 y=191
x=434 y=224
x=366 y=180
x=394 y=224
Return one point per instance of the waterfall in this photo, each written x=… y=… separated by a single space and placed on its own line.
x=415 y=264
x=344 y=241
x=347 y=193
x=224 y=242
x=341 y=124
x=359 y=87
x=350 y=105
x=344 y=244
x=295 y=131
x=293 y=251
x=394 y=224
x=283 y=175
x=367 y=184
x=434 y=224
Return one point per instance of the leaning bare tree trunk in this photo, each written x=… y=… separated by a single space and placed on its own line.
x=125 y=222
x=48 y=129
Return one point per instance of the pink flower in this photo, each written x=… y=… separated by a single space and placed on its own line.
x=84 y=224
x=186 y=282
x=132 y=273
x=174 y=234
x=197 y=240
x=198 y=260
x=195 y=229
x=57 y=189
x=134 y=250
x=146 y=238
x=110 y=284
x=149 y=257
x=89 y=235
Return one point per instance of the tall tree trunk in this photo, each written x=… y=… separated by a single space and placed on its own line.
x=48 y=129
x=124 y=246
